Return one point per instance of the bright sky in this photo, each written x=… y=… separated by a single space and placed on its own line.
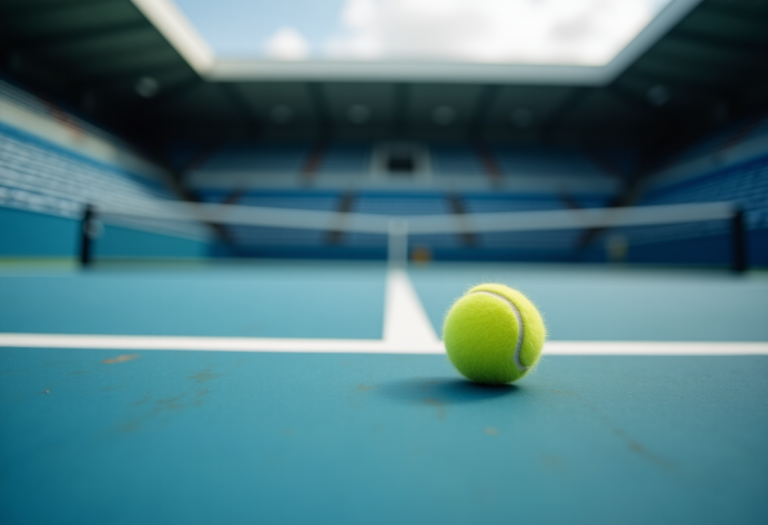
x=584 y=32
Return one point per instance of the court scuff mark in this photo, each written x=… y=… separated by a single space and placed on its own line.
x=553 y=461
x=204 y=376
x=632 y=444
x=141 y=401
x=442 y=410
x=121 y=359
x=639 y=448
x=564 y=393
x=172 y=403
x=162 y=406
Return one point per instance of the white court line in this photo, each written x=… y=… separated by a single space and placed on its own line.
x=407 y=330
x=366 y=346
x=406 y=324
x=670 y=348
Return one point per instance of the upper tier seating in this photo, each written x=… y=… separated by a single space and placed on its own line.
x=460 y=159
x=345 y=159
x=260 y=158
x=746 y=184
x=742 y=182
x=48 y=111
x=744 y=130
x=455 y=159
x=539 y=160
x=40 y=177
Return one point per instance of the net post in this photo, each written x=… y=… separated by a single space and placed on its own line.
x=397 y=246
x=87 y=230
x=738 y=242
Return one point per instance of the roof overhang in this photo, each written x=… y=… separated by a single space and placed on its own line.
x=183 y=36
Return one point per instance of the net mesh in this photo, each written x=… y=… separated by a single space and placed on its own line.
x=255 y=230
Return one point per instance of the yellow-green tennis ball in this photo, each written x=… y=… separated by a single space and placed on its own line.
x=493 y=334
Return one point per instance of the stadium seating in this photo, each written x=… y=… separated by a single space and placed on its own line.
x=455 y=159
x=344 y=169
x=257 y=158
x=41 y=176
x=53 y=164
x=740 y=178
x=19 y=98
x=543 y=161
x=349 y=159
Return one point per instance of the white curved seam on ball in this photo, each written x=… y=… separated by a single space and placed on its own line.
x=520 y=333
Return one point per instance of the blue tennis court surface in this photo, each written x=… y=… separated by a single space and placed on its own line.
x=346 y=300
x=135 y=435
x=333 y=301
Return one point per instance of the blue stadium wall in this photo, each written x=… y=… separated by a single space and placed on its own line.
x=26 y=234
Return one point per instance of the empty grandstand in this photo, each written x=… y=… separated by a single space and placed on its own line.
x=455 y=145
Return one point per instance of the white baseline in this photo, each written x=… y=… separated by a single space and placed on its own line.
x=407 y=330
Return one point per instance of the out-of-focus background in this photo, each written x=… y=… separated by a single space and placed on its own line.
x=385 y=108
x=230 y=230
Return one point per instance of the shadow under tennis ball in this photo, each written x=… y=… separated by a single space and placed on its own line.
x=446 y=390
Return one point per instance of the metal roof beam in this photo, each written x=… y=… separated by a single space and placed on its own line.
x=53 y=9
x=657 y=72
x=45 y=43
x=133 y=71
x=732 y=10
x=741 y=46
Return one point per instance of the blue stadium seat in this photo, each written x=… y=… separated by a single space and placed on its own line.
x=455 y=159
x=539 y=160
x=38 y=176
x=352 y=159
x=257 y=157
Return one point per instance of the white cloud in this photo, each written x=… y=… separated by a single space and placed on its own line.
x=287 y=44
x=588 y=32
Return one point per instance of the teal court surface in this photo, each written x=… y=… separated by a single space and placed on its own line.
x=288 y=392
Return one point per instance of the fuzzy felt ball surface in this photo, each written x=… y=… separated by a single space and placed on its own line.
x=493 y=334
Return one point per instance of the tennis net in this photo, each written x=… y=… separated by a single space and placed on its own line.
x=705 y=232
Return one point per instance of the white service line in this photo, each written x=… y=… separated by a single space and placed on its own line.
x=406 y=324
x=407 y=330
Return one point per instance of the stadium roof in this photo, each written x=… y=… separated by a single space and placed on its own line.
x=124 y=66
x=474 y=41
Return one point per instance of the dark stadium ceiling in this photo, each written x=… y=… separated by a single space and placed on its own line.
x=106 y=59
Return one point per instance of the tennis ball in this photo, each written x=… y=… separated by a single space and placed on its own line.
x=493 y=334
